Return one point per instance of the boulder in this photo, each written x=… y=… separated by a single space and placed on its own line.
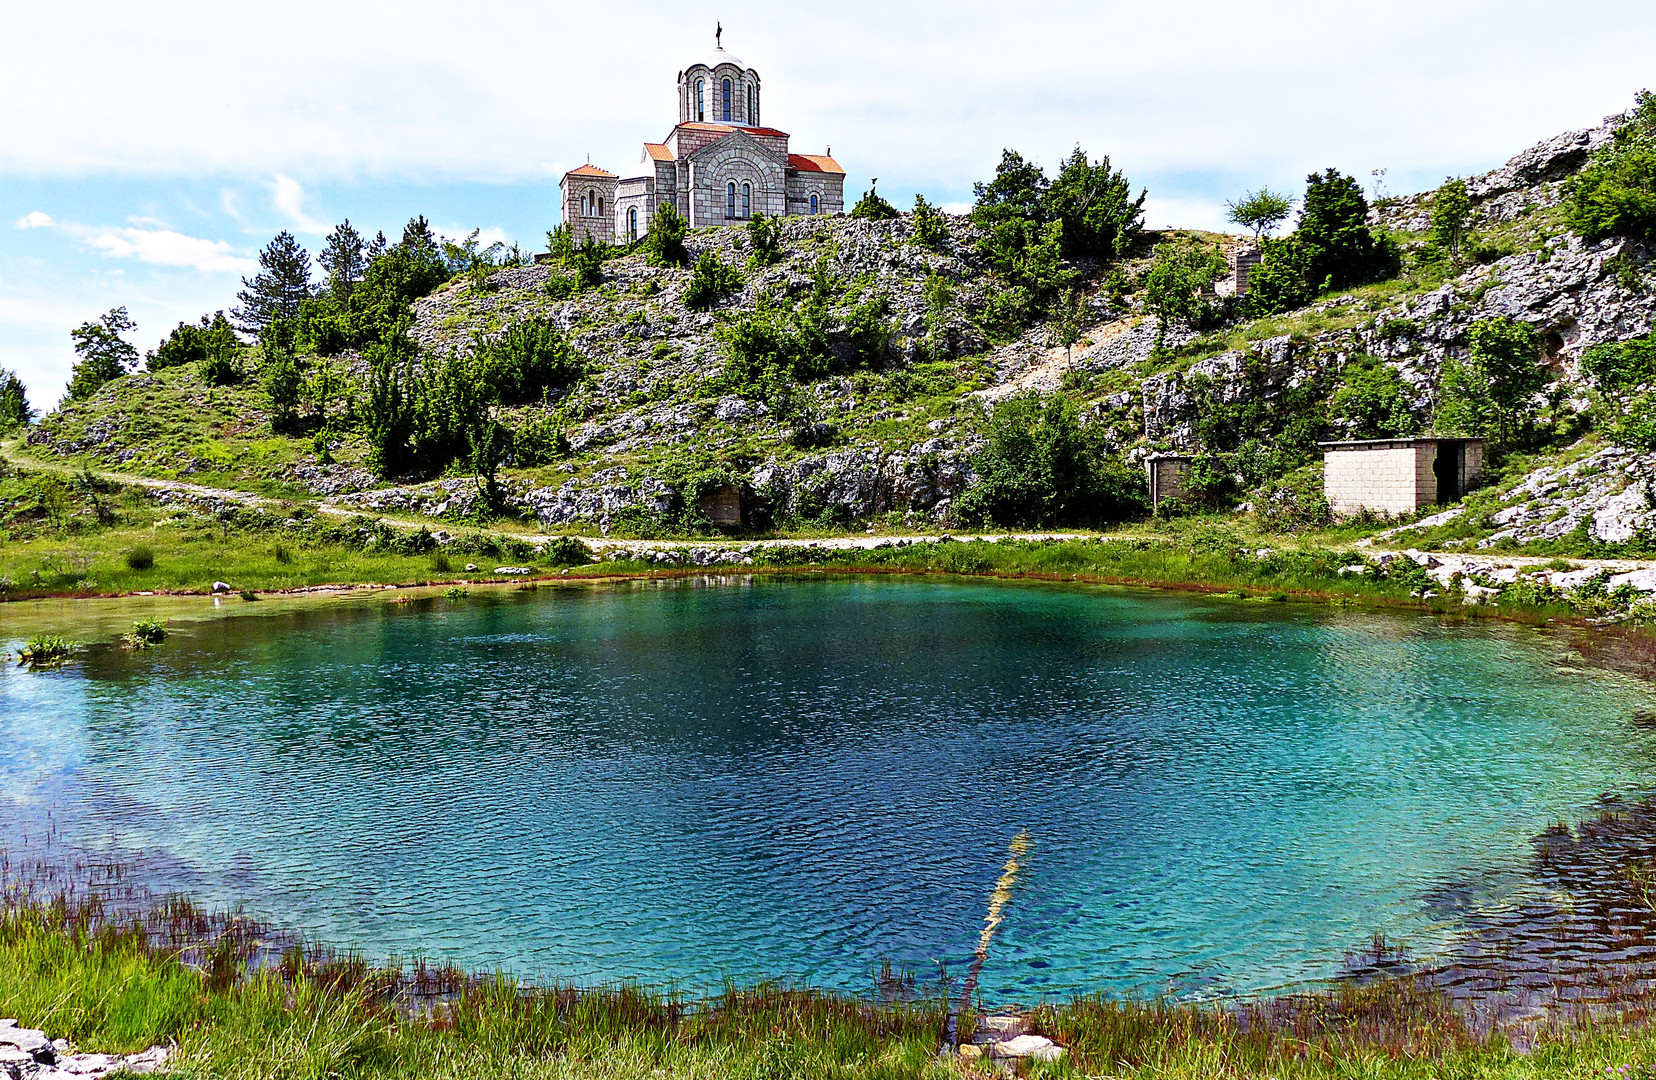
x=1035 y=1047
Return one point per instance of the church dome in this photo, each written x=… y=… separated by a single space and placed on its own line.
x=719 y=56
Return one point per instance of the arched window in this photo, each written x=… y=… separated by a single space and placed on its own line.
x=747 y=200
x=730 y=199
x=726 y=103
x=600 y=207
x=632 y=224
x=701 y=100
x=813 y=206
x=592 y=204
x=752 y=113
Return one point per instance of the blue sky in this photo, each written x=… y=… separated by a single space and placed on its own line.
x=148 y=151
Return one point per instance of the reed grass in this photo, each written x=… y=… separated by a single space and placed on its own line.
x=239 y=1000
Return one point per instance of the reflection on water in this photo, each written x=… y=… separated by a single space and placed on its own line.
x=804 y=778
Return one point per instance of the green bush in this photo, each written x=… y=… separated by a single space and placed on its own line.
x=44 y=649
x=565 y=551
x=1615 y=194
x=802 y=338
x=873 y=207
x=1095 y=207
x=531 y=358
x=1451 y=214
x=146 y=632
x=931 y=228
x=1492 y=392
x=1281 y=281
x=664 y=240
x=1373 y=401
x=1178 y=288
x=541 y=440
x=711 y=281
x=1333 y=229
x=140 y=558
x=1041 y=466
x=14 y=403
x=765 y=238
x=1625 y=374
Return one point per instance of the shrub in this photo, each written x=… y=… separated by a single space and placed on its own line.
x=281 y=379
x=765 y=237
x=931 y=228
x=440 y=563
x=1625 y=373
x=1615 y=194
x=1492 y=391
x=1180 y=281
x=873 y=207
x=1333 y=228
x=540 y=441
x=1281 y=281
x=282 y=555
x=140 y=558
x=565 y=551
x=1451 y=214
x=711 y=281
x=14 y=403
x=664 y=240
x=1373 y=401
x=529 y=359
x=1042 y=466
x=1094 y=206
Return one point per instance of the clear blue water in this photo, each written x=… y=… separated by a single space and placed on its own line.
x=685 y=781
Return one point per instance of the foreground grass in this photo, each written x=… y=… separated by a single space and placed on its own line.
x=115 y=986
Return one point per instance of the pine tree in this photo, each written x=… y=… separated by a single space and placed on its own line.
x=343 y=259
x=14 y=403
x=274 y=294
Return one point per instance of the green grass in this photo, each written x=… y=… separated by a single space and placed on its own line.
x=118 y=982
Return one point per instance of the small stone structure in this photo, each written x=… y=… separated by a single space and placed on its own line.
x=1168 y=475
x=718 y=166
x=1398 y=476
x=1242 y=261
x=723 y=505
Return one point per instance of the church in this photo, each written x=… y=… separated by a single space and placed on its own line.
x=718 y=166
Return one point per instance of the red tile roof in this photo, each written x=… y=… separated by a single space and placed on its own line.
x=658 y=151
x=815 y=163
x=590 y=170
x=694 y=126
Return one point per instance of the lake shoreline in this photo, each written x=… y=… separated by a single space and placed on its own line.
x=1625 y=648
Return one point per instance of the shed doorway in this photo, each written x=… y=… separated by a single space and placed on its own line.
x=1448 y=467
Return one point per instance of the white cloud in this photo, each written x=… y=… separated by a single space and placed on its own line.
x=289 y=196
x=164 y=247
x=923 y=94
x=155 y=245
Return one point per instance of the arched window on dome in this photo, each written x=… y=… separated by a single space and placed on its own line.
x=632 y=224
x=725 y=111
x=814 y=205
x=747 y=200
x=730 y=199
x=752 y=113
x=701 y=100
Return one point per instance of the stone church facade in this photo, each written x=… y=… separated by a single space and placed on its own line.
x=718 y=166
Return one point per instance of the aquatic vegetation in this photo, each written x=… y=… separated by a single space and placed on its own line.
x=44 y=649
x=144 y=633
x=456 y=592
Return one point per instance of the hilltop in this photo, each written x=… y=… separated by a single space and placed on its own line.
x=902 y=373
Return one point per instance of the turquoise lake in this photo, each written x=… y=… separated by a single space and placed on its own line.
x=683 y=781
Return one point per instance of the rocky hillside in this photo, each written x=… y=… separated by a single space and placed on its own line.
x=896 y=440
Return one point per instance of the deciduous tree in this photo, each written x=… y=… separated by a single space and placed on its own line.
x=104 y=354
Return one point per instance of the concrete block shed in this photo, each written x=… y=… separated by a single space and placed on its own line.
x=1169 y=476
x=1398 y=476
